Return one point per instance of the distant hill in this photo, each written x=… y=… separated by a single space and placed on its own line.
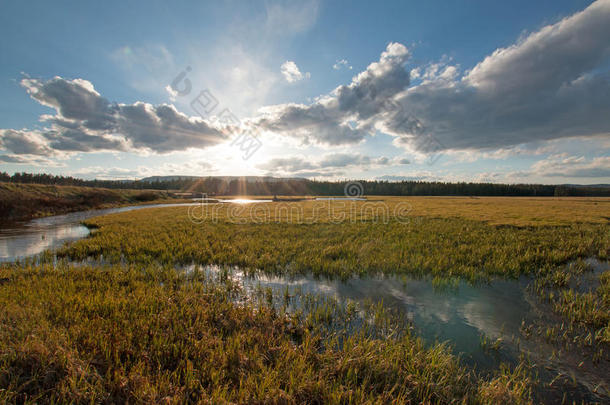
x=586 y=185
x=266 y=185
x=248 y=179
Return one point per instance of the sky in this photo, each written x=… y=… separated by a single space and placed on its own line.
x=511 y=92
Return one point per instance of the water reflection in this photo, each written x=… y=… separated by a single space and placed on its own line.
x=461 y=315
x=244 y=201
x=25 y=239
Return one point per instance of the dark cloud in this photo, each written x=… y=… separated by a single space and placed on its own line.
x=74 y=100
x=29 y=160
x=321 y=123
x=164 y=129
x=24 y=142
x=87 y=122
x=76 y=140
x=553 y=83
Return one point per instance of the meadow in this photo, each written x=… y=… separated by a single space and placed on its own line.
x=135 y=327
x=475 y=239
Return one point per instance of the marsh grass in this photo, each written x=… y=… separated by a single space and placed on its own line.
x=144 y=332
x=137 y=334
x=425 y=246
x=587 y=312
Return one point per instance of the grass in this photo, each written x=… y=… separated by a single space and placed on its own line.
x=272 y=241
x=151 y=335
x=587 y=312
x=143 y=332
x=514 y=211
x=25 y=201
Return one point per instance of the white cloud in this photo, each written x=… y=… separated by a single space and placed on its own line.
x=564 y=165
x=328 y=165
x=342 y=63
x=87 y=122
x=344 y=116
x=550 y=84
x=291 y=72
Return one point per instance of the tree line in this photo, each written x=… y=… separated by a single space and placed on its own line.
x=223 y=186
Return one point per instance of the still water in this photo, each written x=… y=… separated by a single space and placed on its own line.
x=26 y=239
x=464 y=316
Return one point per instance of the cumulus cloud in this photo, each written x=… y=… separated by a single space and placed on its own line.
x=564 y=165
x=327 y=165
x=87 y=122
x=292 y=73
x=551 y=84
x=29 y=160
x=343 y=117
x=24 y=142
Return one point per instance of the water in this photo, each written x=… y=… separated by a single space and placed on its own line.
x=244 y=201
x=25 y=239
x=340 y=199
x=462 y=315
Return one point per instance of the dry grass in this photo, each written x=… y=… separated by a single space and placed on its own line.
x=25 y=201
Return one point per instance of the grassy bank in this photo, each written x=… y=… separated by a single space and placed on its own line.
x=147 y=335
x=25 y=201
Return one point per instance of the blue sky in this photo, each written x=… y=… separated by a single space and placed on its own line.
x=475 y=91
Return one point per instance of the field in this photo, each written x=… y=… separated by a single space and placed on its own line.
x=129 y=324
x=20 y=202
x=340 y=239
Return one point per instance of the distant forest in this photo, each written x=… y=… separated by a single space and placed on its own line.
x=221 y=186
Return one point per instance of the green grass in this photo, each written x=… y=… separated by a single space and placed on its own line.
x=143 y=332
x=149 y=335
x=587 y=312
x=425 y=245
